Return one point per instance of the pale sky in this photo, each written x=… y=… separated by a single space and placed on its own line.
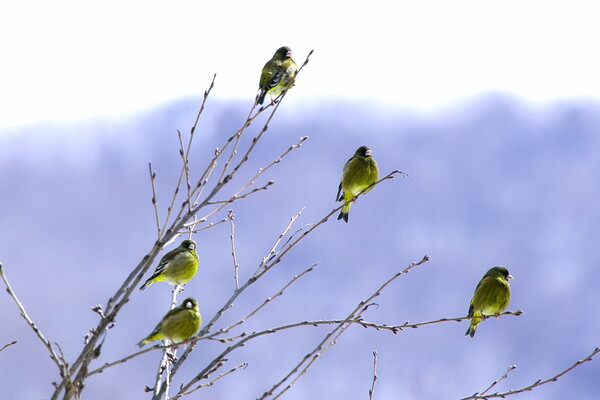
x=64 y=60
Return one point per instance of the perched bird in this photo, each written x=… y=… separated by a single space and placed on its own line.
x=177 y=266
x=359 y=172
x=277 y=75
x=491 y=296
x=178 y=325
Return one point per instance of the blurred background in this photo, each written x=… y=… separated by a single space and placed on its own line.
x=492 y=109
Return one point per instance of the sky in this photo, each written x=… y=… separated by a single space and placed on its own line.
x=69 y=60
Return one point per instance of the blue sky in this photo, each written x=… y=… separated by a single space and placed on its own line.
x=72 y=60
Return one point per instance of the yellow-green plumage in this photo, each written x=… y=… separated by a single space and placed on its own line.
x=177 y=266
x=277 y=75
x=178 y=325
x=359 y=173
x=491 y=296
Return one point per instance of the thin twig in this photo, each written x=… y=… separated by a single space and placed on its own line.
x=372 y=390
x=122 y=360
x=236 y=265
x=184 y=159
x=61 y=367
x=8 y=344
x=154 y=200
x=534 y=385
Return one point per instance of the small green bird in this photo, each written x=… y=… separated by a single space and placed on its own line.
x=277 y=75
x=491 y=296
x=359 y=172
x=177 y=266
x=178 y=325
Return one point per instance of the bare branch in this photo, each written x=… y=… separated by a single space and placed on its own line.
x=396 y=328
x=532 y=386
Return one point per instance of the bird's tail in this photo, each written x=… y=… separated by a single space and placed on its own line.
x=146 y=284
x=344 y=212
x=142 y=343
x=472 y=327
x=261 y=96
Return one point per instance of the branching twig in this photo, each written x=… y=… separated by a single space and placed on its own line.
x=212 y=382
x=123 y=360
x=264 y=303
x=271 y=253
x=534 y=385
x=510 y=368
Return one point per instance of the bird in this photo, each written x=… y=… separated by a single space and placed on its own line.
x=359 y=172
x=178 y=325
x=491 y=296
x=177 y=266
x=277 y=75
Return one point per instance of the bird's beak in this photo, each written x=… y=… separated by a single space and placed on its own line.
x=192 y=247
x=368 y=152
x=510 y=277
x=289 y=54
